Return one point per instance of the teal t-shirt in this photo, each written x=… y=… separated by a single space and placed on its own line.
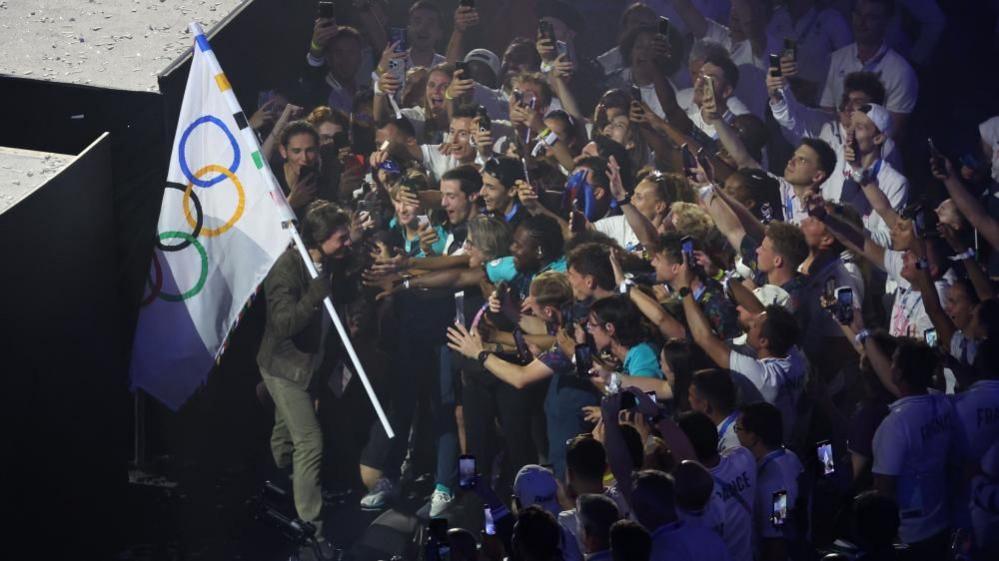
x=412 y=247
x=642 y=360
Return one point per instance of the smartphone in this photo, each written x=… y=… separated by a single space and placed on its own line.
x=485 y=123
x=824 y=451
x=664 y=27
x=930 y=335
x=935 y=154
x=705 y=163
x=583 y=357
x=546 y=31
x=844 y=305
x=775 y=66
x=325 y=10
x=398 y=34
x=490 y=527
x=459 y=307
x=925 y=222
x=709 y=87
x=688 y=249
x=790 y=48
x=689 y=161
x=463 y=67
x=466 y=471
x=561 y=48
x=636 y=93
x=778 y=509
x=518 y=97
x=364 y=205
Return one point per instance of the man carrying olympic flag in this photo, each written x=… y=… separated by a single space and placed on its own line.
x=223 y=223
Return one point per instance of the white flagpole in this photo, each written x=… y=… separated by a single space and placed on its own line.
x=277 y=196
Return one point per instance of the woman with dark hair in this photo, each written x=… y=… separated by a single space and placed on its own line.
x=625 y=338
x=756 y=191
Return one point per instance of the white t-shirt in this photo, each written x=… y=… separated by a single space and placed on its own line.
x=978 y=418
x=901 y=85
x=913 y=445
x=816 y=35
x=777 y=471
x=781 y=381
x=792 y=205
x=908 y=316
x=680 y=541
x=735 y=481
x=617 y=227
x=438 y=164
x=892 y=183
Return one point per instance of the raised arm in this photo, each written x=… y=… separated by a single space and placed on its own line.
x=983 y=286
x=881 y=363
x=470 y=345
x=700 y=328
x=692 y=17
x=729 y=138
x=725 y=218
x=465 y=17
x=965 y=201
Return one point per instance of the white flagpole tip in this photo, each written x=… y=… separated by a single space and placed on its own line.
x=195 y=28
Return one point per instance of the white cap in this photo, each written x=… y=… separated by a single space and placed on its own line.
x=487 y=57
x=879 y=116
x=535 y=485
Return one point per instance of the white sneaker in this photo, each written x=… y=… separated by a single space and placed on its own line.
x=379 y=495
x=439 y=502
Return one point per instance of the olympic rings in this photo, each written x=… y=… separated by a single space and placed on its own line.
x=182 y=158
x=197 y=224
x=202 y=277
x=240 y=205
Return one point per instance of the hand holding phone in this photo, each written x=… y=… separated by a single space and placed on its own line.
x=778 y=509
x=775 y=66
x=824 y=451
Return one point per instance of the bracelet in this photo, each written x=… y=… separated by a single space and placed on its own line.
x=862 y=336
x=448 y=96
x=315 y=46
x=625 y=286
x=625 y=201
x=968 y=254
x=484 y=356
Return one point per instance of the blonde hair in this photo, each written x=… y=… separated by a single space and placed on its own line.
x=325 y=114
x=551 y=288
x=692 y=220
x=491 y=236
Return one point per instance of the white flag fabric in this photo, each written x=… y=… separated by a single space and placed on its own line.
x=218 y=234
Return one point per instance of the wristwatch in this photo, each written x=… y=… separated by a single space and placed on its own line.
x=684 y=291
x=625 y=201
x=483 y=356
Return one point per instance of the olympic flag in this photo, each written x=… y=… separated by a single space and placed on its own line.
x=219 y=232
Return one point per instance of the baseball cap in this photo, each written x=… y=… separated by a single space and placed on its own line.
x=535 y=485
x=878 y=115
x=486 y=57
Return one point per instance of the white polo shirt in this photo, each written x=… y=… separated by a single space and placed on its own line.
x=978 y=418
x=781 y=381
x=816 y=35
x=735 y=481
x=913 y=444
x=792 y=206
x=777 y=471
x=962 y=348
x=899 y=79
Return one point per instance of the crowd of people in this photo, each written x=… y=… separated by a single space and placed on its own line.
x=666 y=296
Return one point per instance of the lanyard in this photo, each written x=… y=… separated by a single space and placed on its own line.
x=789 y=205
x=724 y=428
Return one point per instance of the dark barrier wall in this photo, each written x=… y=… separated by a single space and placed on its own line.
x=64 y=388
